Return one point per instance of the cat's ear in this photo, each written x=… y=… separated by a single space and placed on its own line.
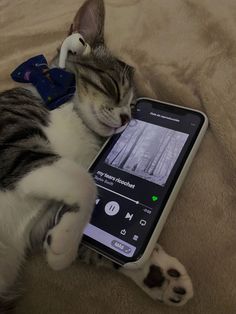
x=89 y=22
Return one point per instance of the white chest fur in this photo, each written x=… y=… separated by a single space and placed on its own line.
x=70 y=137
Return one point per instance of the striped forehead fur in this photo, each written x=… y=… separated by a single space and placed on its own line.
x=101 y=69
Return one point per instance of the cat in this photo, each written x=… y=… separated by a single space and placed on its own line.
x=46 y=193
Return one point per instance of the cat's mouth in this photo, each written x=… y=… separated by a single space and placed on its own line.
x=106 y=124
x=114 y=130
x=106 y=127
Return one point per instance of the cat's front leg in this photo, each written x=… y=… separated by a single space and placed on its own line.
x=66 y=182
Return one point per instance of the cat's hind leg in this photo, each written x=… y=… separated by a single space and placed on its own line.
x=163 y=278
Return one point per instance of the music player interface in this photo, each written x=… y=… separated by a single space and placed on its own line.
x=134 y=176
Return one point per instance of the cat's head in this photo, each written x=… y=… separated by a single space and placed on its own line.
x=104 y=83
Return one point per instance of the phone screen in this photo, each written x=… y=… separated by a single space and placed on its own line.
x=135 y=174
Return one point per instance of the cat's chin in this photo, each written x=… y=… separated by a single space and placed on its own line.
x=120 y=129
x=92 y=120
x=104 y=130
x=111 y=130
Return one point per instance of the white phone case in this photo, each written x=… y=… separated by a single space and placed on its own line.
x=153 y=240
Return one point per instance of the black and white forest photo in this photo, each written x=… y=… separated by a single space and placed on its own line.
x=148 y=151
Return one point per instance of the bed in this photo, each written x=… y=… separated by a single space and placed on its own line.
x=184 y=52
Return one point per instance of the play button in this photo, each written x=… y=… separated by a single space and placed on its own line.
x=112 y=208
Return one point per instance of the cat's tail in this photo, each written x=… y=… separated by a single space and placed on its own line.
x=11 y=260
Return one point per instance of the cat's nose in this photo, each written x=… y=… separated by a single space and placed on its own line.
x=124 y=119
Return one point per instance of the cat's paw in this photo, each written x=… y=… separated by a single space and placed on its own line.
x=78 y=191
x=62 y=240
x=167 y=279
x=163 y=278
x=60 y=261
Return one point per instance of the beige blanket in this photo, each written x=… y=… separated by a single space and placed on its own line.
x=184 y=52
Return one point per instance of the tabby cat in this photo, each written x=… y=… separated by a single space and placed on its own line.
x=46 y=193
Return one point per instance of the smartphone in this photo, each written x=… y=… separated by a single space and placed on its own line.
x=138 y=173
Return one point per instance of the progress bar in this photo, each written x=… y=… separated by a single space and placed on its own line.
x=130 y=199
